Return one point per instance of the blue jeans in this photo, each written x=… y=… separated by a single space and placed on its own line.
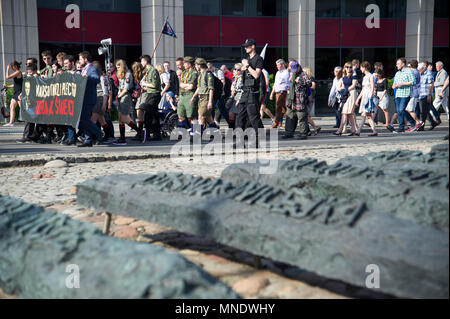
x=88 y=127
x=401 y=103
x=71 y=133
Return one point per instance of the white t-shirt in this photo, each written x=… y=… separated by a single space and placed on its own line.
x=165 y=78
x=266 y=75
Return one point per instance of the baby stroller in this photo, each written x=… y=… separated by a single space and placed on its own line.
x=167 y=117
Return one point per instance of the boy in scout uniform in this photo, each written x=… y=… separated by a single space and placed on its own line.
x=187 y=107
x=47 y=71
x=205 y=92
x=149 y=100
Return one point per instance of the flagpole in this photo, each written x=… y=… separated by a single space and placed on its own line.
x=160 y=34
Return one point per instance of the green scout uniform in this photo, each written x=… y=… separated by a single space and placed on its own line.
x=47 y=71
x=185 y=108
x=205 y=84
x=151 y=96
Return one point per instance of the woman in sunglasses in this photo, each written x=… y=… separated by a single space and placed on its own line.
x=346 y=88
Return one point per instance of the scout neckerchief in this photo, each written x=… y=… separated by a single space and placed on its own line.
x=186 y=77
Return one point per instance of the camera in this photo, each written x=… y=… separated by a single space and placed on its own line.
x=104 y=50
x=106 y=42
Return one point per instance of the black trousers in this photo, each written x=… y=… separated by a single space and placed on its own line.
x=28 y=131
x=151 y=117
x=425 y=107
x=248 y=112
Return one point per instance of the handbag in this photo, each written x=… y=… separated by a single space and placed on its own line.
x=229 y=103
x=136 y=91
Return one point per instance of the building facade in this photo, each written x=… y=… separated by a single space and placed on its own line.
x=320 y=33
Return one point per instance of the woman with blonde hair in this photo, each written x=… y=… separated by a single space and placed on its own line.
x=311 y=99
x=124 y=100
x=346 y=88
x=236 y=93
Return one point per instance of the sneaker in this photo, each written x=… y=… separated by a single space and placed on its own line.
x=418 y=126
x=9 y=125
x=22 y=141
x=120 y=142
x=408 y=130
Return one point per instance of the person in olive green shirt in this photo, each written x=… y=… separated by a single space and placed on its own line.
x=188 y=84
x=149 y=100
x=47 y=71
x=205 y=92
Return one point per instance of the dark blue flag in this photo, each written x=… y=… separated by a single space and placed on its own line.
x=168 y=30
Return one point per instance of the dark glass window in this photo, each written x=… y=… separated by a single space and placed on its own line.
x=443 y=55
x=326 y=61
x=222 y=55
x=441 y=9
x=348 y=54
x=201 y=7
x=328 y=8
x=233 y=7
x=267 y=8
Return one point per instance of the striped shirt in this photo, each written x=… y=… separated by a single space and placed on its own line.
x=404 y=76
x=425 y=80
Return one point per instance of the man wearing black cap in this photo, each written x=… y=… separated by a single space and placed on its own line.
x=248 y=108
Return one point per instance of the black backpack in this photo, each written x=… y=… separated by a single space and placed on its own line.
x=218 y=86
x=227 y=88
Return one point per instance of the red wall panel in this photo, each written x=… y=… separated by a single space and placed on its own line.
x=201 y=31
x=123 y=28
x=356 y=34
x=52 y=27
x=327 y=32
x=264 y=30
x=440 y=33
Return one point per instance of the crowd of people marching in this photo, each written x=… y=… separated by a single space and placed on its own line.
x=414 y=85
x=201 y=94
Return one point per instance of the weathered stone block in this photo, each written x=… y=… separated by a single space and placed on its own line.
x=408 y=185
x=37 y=245
x=332 y=237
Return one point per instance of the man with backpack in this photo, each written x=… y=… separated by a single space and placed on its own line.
x=205 y=91
x=219 y=99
